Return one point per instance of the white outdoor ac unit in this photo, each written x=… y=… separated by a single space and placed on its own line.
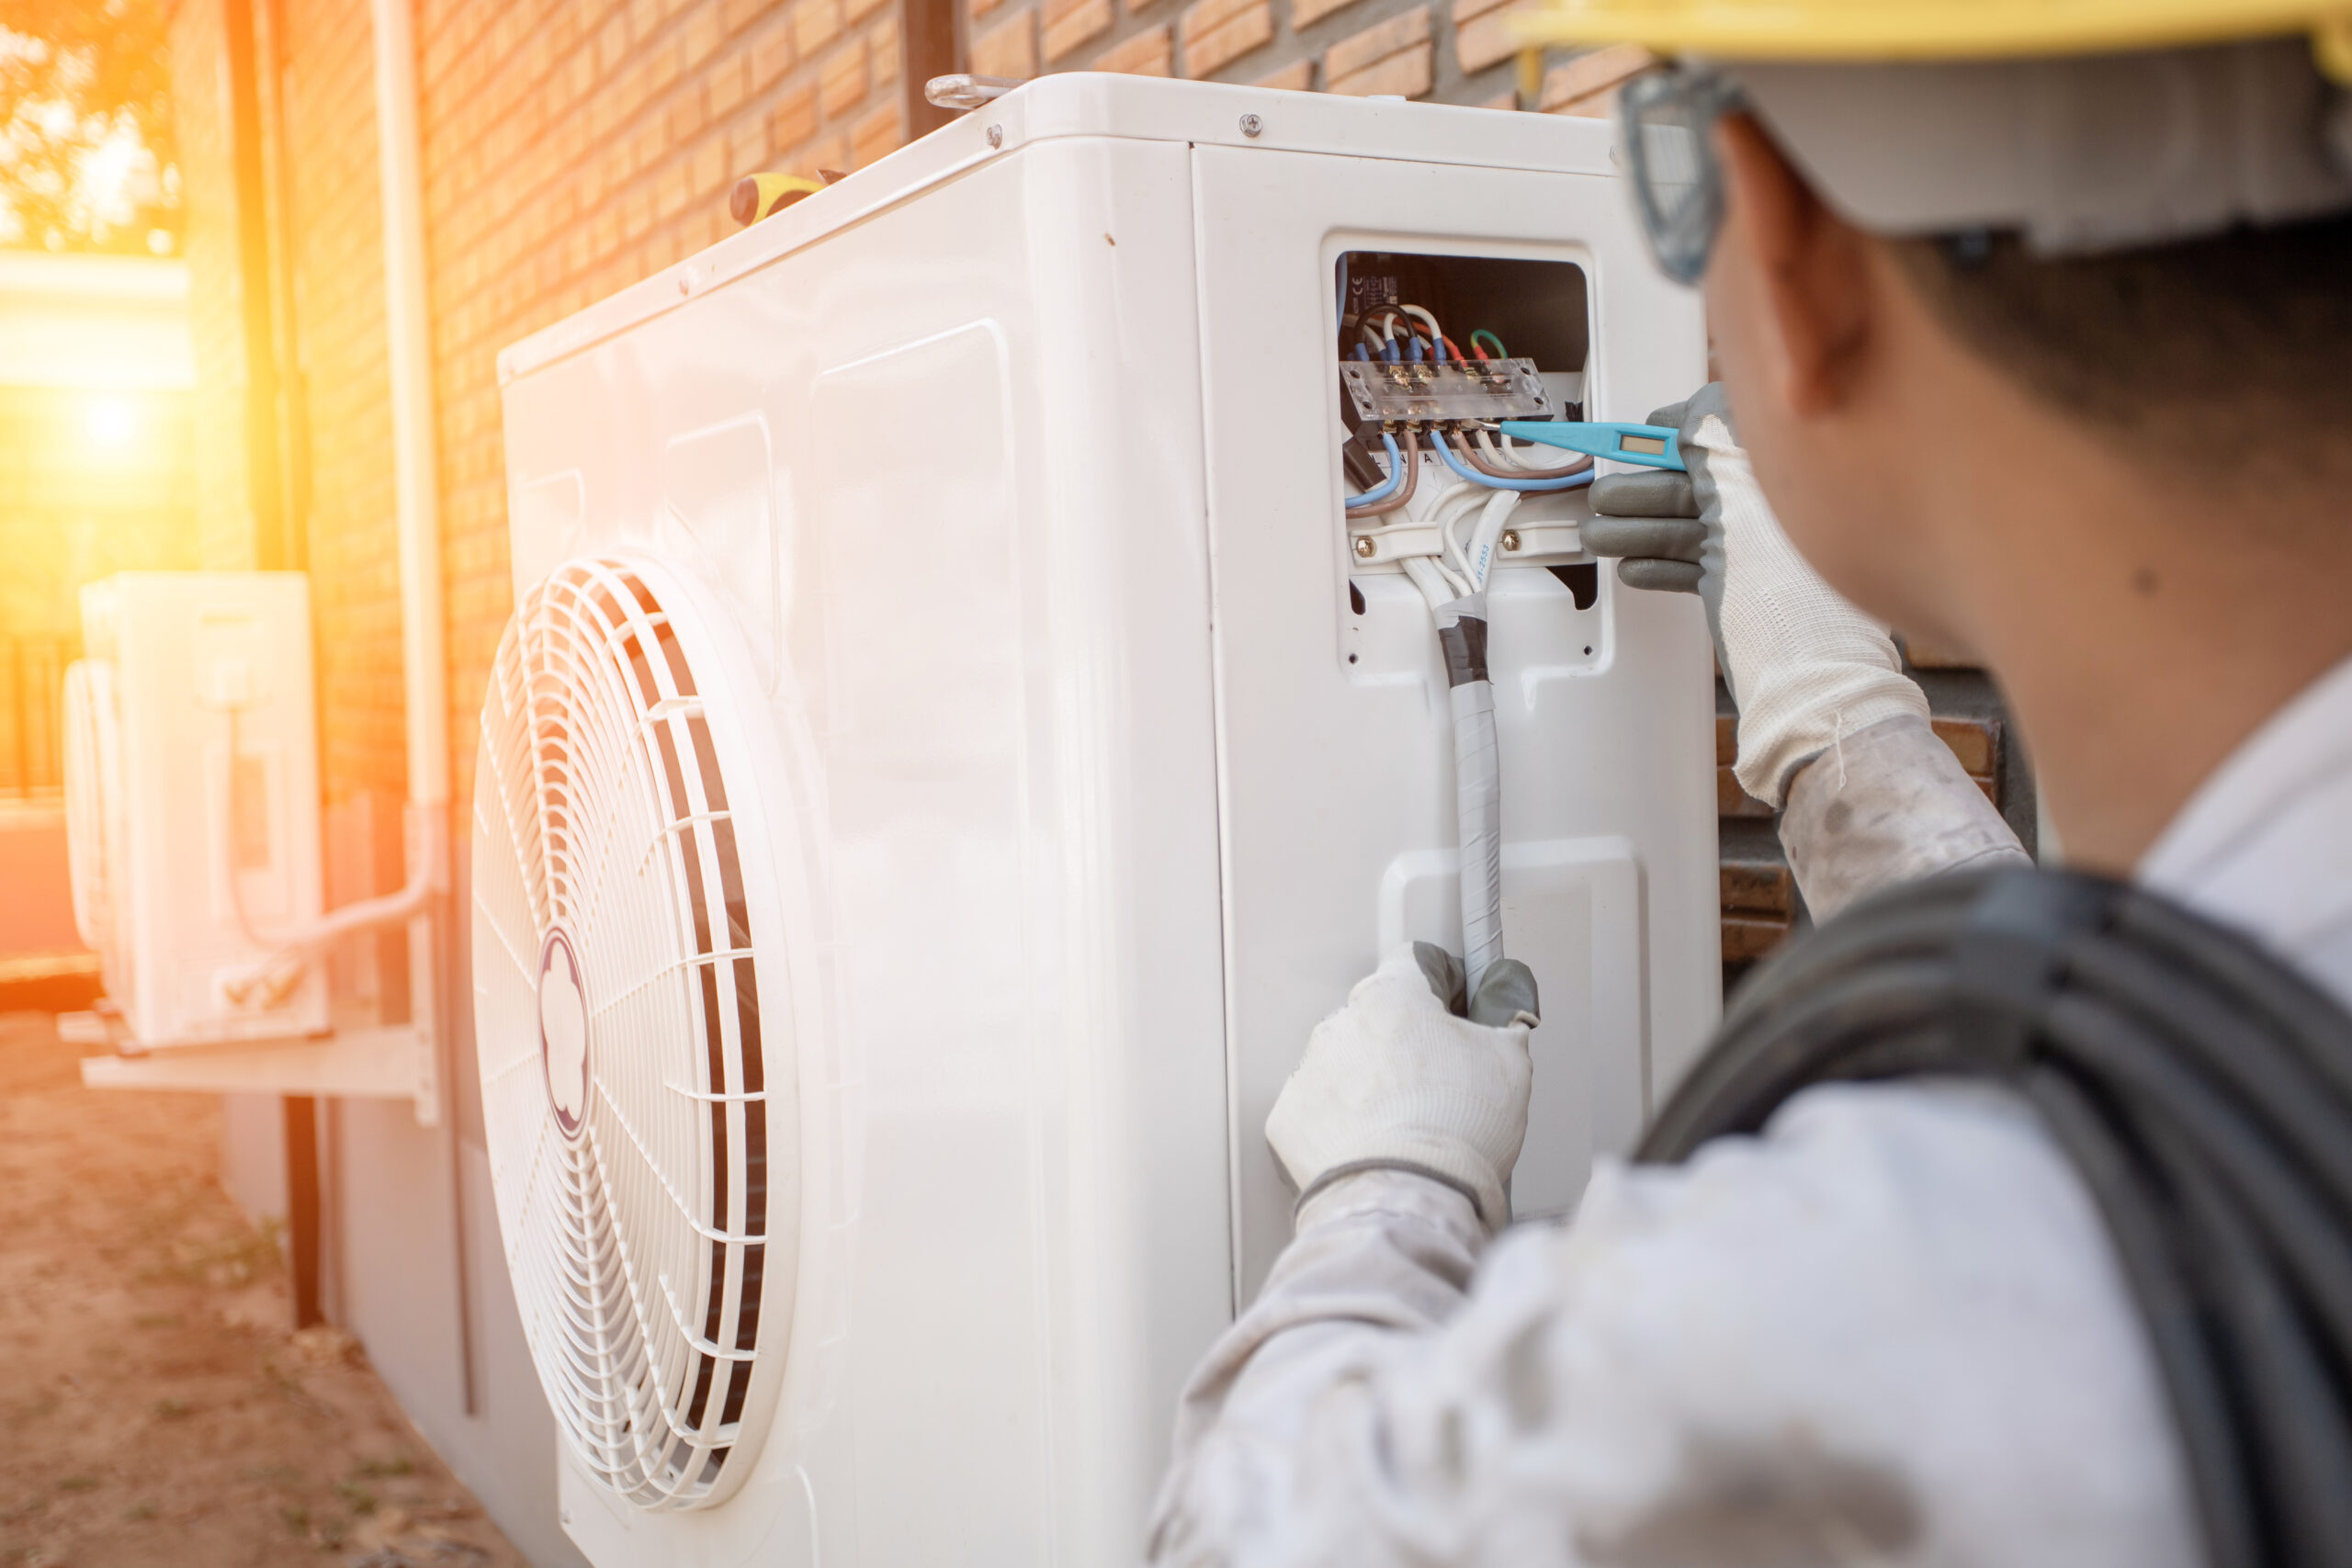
x=192 y=788
x=952 y=747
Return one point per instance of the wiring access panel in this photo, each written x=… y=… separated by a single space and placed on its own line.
x=1433 y=354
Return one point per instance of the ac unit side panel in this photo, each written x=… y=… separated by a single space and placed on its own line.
x=986 y=529
x=1339 y=810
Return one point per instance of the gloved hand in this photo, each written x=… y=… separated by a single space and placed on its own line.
x=1396 y=1081
x=1805 y=667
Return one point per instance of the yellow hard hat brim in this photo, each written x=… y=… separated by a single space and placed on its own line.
x=1831 y=30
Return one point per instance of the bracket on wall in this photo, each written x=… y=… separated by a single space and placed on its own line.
x=388 y=1062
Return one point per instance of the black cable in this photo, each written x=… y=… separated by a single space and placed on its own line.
x=2202 y=1090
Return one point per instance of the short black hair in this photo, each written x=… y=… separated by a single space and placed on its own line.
x=2229 y=355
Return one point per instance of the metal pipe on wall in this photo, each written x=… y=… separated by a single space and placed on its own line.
x=424 y=633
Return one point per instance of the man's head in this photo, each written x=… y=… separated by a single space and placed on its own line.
x=1862 y=367
x=2131 y=267
x=2035 y=320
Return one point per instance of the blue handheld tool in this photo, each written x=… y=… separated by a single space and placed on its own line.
x=1652 y=446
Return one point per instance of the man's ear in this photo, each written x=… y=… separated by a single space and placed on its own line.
x=1811 y=276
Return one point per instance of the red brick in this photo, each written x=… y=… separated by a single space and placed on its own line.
x=1482 y=31
x=1378 y=43
x=882 y=50
x=793 y=118
x=1406 y=74
x=1297 y=77
x=727 y=87
x=877 y=136
x=1745 y=938
x=1150 y=53
x=1757 y=887
x=1010 y=51
x=711 y=176
x=1070 y=23
x=1217 y=32
x=815 y=24
x=1733 y=801
x=1575 y=88
x=1927 y=654
x=840 y=81
x=1305 y=13
x=1975 y=741
x=771 y=54
x=705 y=27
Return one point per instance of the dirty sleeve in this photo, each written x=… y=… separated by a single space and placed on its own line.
x=1887 y=803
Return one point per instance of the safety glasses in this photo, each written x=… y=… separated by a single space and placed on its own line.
x=1663 y=125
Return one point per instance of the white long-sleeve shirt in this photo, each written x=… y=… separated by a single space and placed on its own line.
x=1891 y=1329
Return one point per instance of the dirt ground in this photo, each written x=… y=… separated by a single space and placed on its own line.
x=154 y=1408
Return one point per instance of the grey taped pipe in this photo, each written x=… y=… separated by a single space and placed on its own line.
x=1478 y=781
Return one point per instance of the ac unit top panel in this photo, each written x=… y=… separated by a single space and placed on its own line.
x=1083 y=103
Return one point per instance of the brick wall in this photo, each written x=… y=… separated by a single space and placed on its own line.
x=334 y=229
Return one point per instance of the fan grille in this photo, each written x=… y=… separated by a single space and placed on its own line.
x=618 y=982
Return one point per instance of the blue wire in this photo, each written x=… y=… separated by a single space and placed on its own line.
x=1413 y=350
x=1388 y=350
x=1445 y=450
x=1363 y=351
x=1394 y=482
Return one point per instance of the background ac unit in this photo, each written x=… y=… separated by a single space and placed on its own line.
x=951 y=749
x=192 y=798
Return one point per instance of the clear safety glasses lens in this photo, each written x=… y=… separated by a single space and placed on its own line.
x=1663 y=125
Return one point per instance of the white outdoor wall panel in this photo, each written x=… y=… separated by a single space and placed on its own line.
x=1013 y=463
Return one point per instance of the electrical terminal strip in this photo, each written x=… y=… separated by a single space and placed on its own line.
x=1385 y=396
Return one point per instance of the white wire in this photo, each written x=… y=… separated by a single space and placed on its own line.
x=1430 y=579
x=1437 y=334
x=1490 y=529
x=1502 y=453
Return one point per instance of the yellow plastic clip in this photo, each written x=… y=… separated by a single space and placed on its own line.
x=2332 y=48
x=757 y=196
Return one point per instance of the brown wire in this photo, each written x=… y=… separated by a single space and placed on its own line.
x=1471 y=456
x=1411 y=458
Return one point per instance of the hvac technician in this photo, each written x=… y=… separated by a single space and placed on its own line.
x=2037 y=320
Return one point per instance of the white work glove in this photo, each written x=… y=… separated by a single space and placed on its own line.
x=1395 y=1081
x=1805 y=667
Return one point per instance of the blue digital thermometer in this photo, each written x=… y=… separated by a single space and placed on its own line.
x=1651 y=446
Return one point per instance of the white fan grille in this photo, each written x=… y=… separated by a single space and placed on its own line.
x=618 y=980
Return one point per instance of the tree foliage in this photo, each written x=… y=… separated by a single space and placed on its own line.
x=86 y=157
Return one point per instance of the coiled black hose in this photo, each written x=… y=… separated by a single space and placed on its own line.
x=2202 y=1088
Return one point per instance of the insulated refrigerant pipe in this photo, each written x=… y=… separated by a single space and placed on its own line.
x=423 y=638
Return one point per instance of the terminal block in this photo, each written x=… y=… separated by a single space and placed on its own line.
x=1387 y=395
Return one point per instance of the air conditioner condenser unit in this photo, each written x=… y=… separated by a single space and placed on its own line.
x=954 y=740
x=192 y=792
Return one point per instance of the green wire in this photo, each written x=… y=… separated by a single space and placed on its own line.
x=1500 y=352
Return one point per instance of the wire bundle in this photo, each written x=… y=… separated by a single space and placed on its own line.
x=2202 y=1090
